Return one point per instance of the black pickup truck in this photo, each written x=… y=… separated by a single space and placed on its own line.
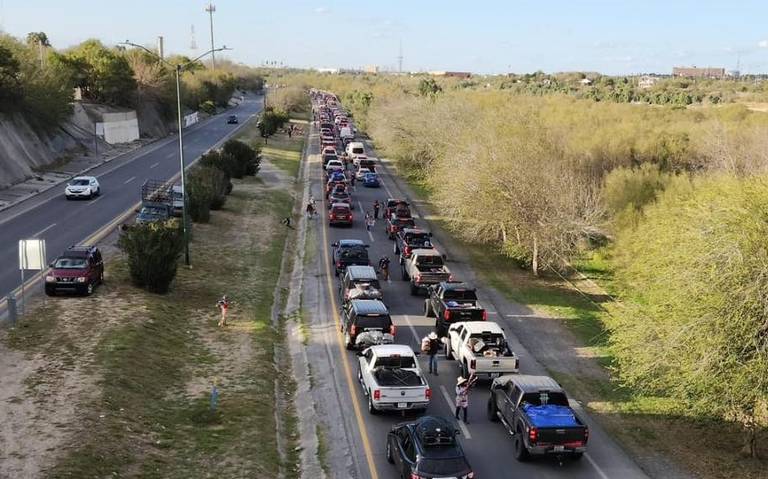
x=536 y=413
x=409 y=239
x=450 y=302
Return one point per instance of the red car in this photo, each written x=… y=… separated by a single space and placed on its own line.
x=397 y=207
x=79 y=269
x=340 y=214
x=396 y=224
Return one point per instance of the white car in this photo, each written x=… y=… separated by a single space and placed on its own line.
x=361 y=172
x=82 y=187
x=334 y=165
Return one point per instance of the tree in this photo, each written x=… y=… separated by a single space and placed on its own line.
x=697 y=327
x=429 y=87
x=102 y=74
x=153 y=251
x=271 y=121
x=10 y=83
x=246 y=158
x=38 y=39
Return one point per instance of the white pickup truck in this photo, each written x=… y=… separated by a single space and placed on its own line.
x=481 y=349
x=392 y=380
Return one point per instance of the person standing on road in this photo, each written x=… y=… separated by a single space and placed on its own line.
x=384 y=268
x=432 y=343
x=463 y=385
x=369 y=221
x=376 y=207
x=223 y=305
x=352 y=179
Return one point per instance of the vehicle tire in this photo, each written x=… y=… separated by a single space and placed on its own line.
x=91 y=195
x=491 y=410
x=403 y=274
x=576 y=456
x=98 y=191
x=390 y=458
x=395 y=250
x=428 y=313
x=414 y=290
x=448 y=352
x=371 y=409
x=521 y=453
x=88 y=289
x=50 y=291
x=101 y=278
x=348 y=341
x=69 y=198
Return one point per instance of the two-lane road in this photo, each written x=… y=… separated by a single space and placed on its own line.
x=63 y=223
x=488 y=446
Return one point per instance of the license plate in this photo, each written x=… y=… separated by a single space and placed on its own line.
x=495 y=375
x=402 y=405
x=559 y=448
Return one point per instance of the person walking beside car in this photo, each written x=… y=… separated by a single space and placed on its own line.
x=369 y=221
x=376 y=207
x=223 y=305
x=430 y=345
x=463 y=385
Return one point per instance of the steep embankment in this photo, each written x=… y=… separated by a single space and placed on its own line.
x=24 y=149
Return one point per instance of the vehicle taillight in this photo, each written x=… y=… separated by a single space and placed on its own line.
x=353 y=330
x=338 y=264
x=377 y=394
x=450 y=277
x=407 y=250
x=428 y=393
x=447 y=315
x=485 y=315
x=333 y=216
x=417 y=278
x=392 y=329
x=473 y=364
x=533 y=435
x=416 y=476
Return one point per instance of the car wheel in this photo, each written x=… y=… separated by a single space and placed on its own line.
x=521 y=453
x=390 y=458
x=491 y=410
x=576 y=456
x=371 y=409
x=68 y=197
x=50 y=291
x=347 y=341
x=101 y=278
x=403 y=274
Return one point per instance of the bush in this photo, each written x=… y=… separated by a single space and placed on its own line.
x=246 y=158
x=271 y=121
x=153 y=250
x=224 y=162
x=208 y=107
x=208 y=187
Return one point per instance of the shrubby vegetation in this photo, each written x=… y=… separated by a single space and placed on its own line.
x=153 y=251
x=271 y=121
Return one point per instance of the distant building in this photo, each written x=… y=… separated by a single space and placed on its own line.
x=451 y=74
x=328 y=70
x=585 y=81
x=694 y=72
x=372 y=69
x=647 y=81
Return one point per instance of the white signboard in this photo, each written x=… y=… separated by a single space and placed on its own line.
x=32 y=254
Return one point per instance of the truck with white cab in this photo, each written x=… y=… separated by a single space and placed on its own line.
x=392 y=379
x=481 y=348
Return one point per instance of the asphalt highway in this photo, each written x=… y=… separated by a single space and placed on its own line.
x=64 y=223
x=487 y=444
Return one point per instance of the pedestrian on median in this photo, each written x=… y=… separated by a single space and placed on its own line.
x=376 y=207
x=463 y=385
x=223 y=305
x=432 y=343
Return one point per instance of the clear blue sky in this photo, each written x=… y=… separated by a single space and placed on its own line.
x=481 y=36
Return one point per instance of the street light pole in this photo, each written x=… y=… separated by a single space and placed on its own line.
x=179 y=68
x=184 y=211
x=210 y=9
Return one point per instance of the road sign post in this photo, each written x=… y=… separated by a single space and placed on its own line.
x=31 y=257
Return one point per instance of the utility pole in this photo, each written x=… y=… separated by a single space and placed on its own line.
x=400 y=58
x=211 y=8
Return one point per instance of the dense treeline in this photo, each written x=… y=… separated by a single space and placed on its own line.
x=39 y=81
x=679 y=195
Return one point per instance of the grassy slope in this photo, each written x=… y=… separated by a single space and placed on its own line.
x=644 y=424
x=150 y=418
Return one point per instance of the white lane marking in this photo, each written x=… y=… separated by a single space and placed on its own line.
x=154 y=164
x=594 y=464
x=43 y=230
x=173 y=153
x=413 y=330
x=452 y=407
x=97 y=199
x=129 y=180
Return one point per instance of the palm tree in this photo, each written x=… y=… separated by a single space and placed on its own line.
x=40 y=39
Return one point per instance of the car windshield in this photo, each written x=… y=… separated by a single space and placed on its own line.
x=418 y=240
x=70 y=263
x=463 y=294
x=354 y=253
x=80 y=182
x=450 y=466
x=357 y=151
x=406 y=362
x=367 y=283
x=152 y=211
x=374 y=322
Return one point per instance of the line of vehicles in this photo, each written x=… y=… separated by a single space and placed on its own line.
x=533 y=409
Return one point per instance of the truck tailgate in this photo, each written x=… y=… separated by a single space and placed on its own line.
x=404 y=394
x=433 y=278
x=567 y=436
x=466 y=314
x=496 y=365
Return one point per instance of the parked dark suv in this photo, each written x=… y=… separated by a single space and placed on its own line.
x=79 y=269
x=362 y=315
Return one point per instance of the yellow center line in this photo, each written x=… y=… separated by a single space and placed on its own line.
x=345 y=360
